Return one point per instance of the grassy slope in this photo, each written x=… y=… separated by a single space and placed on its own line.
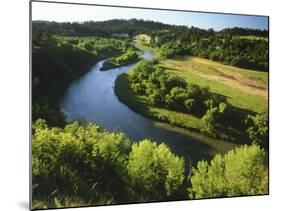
x=246 y=89
x=239 y=86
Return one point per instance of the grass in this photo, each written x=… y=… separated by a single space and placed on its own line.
x=252 y=37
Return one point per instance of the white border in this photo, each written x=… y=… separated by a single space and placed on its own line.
x=14 y=87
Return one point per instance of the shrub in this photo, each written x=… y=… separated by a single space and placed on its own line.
x=258 y=129
x=154 y=171
x=78 y=161
x=242 y=171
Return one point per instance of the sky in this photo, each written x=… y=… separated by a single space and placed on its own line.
x=79 y=13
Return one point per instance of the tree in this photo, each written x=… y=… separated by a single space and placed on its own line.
x=242 y=171
x=154 y=171
x=88 y=47
x=258 y=129
x=166 y=51
x=176 y=98
x=79 y=161
x=210 y=120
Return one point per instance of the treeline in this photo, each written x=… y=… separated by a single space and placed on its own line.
x=244 y=32
x=100 y=28
x=57 y=61
x=165 y=90
x=83 y=164
x=132 y=27
x=224 y=46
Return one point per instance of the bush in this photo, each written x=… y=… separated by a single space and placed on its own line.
x=86 y=165
x=209 y=121
x=242 y=171
x=88 y=47
x=78 y=161
x=129 y=57
x=258 y=129
x=154 y=171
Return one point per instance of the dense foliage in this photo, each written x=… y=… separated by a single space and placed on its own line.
x=258 y=129
x=86 y=163
x=129 y=57
x=242 y=171
x=100 y=28
x=163 y=89
x=221 y=46
x=155 y=172
x=169 y=91
x=245 y=32
x=78 y=162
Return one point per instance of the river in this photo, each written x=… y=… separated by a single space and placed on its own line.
x=92 y=99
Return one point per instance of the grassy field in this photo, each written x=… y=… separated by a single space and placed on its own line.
x=246 y=90
x=252 y=37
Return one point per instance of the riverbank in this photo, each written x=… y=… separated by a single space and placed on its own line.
x=254 y=99
x=138 y=103
x=63 y=61
x=185 y=123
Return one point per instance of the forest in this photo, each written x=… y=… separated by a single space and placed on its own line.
x=230 y=46
x=213 y=83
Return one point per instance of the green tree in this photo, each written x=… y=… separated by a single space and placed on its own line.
x=210 y=120
x=154 y=171
x=242 y=171
x=258 y=129
x=165 y=51
x=176 y=98
x=79 y=161
x=88 y=47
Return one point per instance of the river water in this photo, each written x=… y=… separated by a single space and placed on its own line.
x=92 y=99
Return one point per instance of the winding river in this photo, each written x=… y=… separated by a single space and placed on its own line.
x=91 y=98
